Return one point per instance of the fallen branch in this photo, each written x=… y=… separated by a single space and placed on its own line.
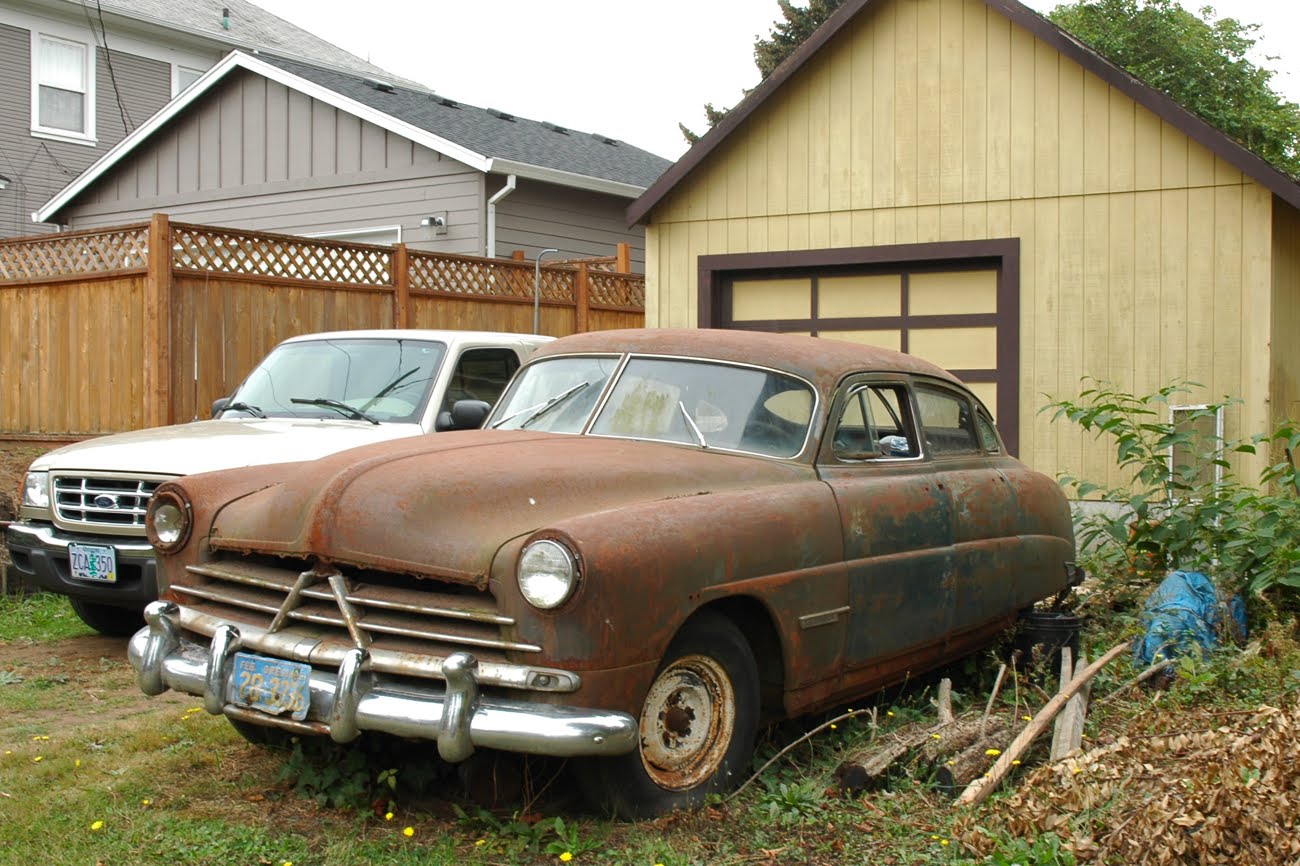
x=1140 y=678
x=993 y=696
x=978 y=790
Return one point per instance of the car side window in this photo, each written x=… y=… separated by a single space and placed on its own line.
x=873 y=424
x=988 y=434
x=481 y=374
x=947 y=422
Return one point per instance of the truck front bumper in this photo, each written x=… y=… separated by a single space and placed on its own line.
x=350 y=700
x=39 y=555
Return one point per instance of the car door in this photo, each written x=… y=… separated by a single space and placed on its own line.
x=896 y=521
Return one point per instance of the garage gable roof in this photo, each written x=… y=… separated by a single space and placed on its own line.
x=484 y=139
x=1210 y=137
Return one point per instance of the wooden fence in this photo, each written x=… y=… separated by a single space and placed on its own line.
x=142 y=325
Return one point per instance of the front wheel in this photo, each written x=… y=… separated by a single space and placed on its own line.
x=108 y=619
x=697 y=727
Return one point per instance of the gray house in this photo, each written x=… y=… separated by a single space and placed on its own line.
x=269 y=144
x=77 y=77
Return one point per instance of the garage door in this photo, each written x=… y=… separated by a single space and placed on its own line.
x=959 y=311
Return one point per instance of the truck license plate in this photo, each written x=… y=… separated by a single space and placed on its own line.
x=274 y=686
x=93 y=562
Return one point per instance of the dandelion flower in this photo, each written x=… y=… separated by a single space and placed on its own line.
x=97 y=826
x=38 y=759
x=408 y=832
x=388 y=816
x=1016 y=762
x=832 y=727
x=146 y=802
x=992 y=753
x=950 y=763
x=195 y=710
x=934 y=838
x=481 y=842
x=77 y=763
x=566 y=857
x=889 y=713
x=1026 y=718
x=943 y=842
x=185 y=718
x=936 y=736
x=1078 y=770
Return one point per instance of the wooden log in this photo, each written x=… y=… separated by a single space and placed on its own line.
x=868 y=769
x=1067 y=674
x=945 y=701
x=964 y=766
x=1076 y=712
x=979 y=789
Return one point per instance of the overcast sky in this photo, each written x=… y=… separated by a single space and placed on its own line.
x=629 y=70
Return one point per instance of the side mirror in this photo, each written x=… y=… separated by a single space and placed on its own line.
x=469 y=414
x=218 y=405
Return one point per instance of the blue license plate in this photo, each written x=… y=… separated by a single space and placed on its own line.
x=274 y=686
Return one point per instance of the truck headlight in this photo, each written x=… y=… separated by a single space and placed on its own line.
x=36 y=490
x=547 y=573
x=167 y=523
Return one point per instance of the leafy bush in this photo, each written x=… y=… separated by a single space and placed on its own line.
x=1181 y=516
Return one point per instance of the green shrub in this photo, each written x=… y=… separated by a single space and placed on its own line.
x=1182 y=516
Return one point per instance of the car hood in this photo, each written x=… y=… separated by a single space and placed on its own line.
x=443 y=505
x=203 y=446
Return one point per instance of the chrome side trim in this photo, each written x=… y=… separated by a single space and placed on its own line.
x=822 y=617
x=49 y=537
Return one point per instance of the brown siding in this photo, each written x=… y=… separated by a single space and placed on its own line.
x=1286 y=312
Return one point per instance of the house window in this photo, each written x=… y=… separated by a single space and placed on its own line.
x=1196 y=455
x=62 y=88
x=183 y=77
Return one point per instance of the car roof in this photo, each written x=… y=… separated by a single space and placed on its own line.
x=824 y=362
x=447 y=336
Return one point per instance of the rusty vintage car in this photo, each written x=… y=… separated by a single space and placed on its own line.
x=658 y=541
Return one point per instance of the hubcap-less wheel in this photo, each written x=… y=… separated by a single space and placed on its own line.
x=687 y=722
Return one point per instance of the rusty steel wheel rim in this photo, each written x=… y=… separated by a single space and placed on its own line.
x=687 y=722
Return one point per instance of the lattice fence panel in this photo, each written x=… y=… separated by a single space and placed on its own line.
x=616 y=290
x=488 y=278
x=201 y=248
x=103 y=252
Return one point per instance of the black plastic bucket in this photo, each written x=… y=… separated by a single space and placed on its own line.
x=1040 y=636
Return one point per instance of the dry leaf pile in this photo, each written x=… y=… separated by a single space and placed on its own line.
x=1218 y=793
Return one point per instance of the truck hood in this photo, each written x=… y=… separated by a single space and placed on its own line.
x=203 y=446
x=443 y=505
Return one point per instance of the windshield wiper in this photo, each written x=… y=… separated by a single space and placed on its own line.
x=541 y=409
x=240 y=406
x=337 y=405
x=387 y=389
x=690 y=422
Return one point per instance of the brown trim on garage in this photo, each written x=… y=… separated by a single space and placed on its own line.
x=1212 y=138
x=717 y=272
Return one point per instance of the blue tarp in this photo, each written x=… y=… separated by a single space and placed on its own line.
x=1184 y=612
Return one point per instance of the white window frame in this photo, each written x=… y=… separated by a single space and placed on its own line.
x=1218 y=433
x=88 y=83
x=354 y=234
x=177 y=69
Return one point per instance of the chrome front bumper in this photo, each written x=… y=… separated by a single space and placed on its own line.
x=350 y=700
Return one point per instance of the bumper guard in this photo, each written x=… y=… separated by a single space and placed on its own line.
x=351 y=700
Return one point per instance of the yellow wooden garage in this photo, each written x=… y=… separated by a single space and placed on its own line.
x=962 y=180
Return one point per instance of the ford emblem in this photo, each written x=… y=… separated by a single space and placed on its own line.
x=104 y=500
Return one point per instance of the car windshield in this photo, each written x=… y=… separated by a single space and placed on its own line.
x=703 y=403
x=365 y=379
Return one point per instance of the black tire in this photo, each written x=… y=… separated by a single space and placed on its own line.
x=263 y=735
x=698 y=724
x=108 y=619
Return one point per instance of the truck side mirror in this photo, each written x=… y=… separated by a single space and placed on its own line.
x=467 y=415
x=219 y=404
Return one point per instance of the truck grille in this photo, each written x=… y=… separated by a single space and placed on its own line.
x=397 y=613
x=103 y=500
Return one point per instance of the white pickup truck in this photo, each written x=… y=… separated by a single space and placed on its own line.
x=80 y=528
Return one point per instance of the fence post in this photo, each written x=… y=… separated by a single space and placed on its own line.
x=401 y=286
x=623 y=258
x=157 y=301
x=581 y=299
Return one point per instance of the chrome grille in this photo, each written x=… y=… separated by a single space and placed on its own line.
x=394 y=612
x=103 y=500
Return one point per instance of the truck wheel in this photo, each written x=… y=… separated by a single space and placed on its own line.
x=108 y=619
x=697 y=727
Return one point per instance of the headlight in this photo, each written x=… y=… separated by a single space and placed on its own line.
x=548 y=573
x=36 y=490
x=167 y=523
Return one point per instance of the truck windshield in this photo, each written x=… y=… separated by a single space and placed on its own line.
x=384 y=379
